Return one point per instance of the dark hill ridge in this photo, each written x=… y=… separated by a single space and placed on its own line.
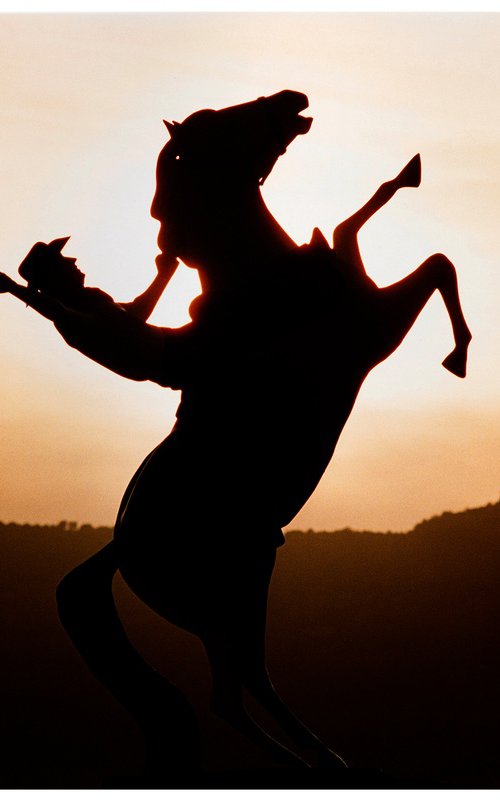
x=485 y=517
x=403 y=629
x=386 y=644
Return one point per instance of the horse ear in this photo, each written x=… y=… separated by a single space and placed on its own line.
x=171 y=127
x=58 y=244
x=318 y=240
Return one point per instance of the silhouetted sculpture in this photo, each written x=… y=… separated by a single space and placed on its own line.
x=280 y=342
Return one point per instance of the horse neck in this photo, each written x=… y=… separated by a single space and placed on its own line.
x=242 y=239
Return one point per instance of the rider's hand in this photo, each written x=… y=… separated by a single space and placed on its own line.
x=166 y=264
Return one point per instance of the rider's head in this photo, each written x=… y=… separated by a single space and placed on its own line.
x=45 y=268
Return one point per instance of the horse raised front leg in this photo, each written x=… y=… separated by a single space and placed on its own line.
x=400 y=304
x=345 y=235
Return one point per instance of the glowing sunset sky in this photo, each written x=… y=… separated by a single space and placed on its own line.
x=83 y=97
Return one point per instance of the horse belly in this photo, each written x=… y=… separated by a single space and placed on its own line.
x=182 y=539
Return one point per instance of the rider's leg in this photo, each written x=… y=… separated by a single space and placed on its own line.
x=88 y=613
x=345 y=235
x=400 y=304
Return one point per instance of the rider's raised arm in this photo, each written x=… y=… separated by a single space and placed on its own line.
x=144 y=304
x=46 y=305
x=125 y=345
x=107 y=335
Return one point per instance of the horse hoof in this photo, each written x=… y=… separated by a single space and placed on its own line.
x=331 y=761
x=411 y=175
x=456 y=364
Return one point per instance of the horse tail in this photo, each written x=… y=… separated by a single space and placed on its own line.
x=89 y=616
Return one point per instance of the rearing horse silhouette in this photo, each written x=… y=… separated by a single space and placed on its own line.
x=281 y=341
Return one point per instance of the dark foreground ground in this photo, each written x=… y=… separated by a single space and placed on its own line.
x=385 y=644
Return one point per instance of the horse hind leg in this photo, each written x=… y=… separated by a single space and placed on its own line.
x=238 y=663
x=233 y=634
x=235 y=646
x=227 y=699
x=88 y=614
x=258 y=684
x=256 y=681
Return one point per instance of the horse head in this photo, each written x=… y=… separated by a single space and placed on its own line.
x=241 y=142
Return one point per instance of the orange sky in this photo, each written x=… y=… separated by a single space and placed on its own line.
x=83 y=97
